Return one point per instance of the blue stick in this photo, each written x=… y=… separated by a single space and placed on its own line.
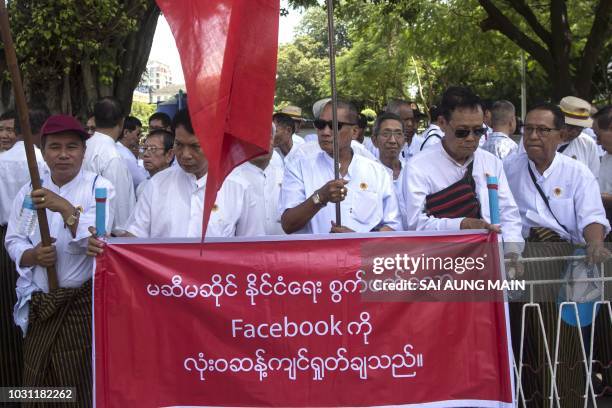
x=493 y=200
x=101 y=211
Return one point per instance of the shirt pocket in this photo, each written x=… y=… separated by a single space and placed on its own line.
x=563 y=209
x=366 y=207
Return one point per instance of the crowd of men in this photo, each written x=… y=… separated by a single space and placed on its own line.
x=554 y=185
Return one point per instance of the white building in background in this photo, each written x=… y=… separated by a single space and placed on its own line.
x=158 y=75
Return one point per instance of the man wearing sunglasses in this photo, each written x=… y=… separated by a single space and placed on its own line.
x=310 y=191
x=445 y=186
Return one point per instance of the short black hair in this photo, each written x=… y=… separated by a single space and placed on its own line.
x=108 y=112
x=167 y=138
x=38 y=116
x=386 y=116
x=559 y=117
x=182 y=118
x=9 y=114
x=457 y=97
x=362 y=123
x=162 y=117
x=603 y=117
x=131 y=123
x=285 y=120
x=434 y=113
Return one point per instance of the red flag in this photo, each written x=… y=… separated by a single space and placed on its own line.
x=228 y=51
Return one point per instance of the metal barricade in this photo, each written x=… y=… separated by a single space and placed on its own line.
x=552 y=354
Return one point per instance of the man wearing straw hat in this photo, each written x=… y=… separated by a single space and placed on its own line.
x=295 y=113
x=560 y=205
x=57 y=325
x=574 y=143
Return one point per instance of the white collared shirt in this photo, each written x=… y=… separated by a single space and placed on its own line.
x=430 y=137
x=296 y=142
x=103 y=158
x=313 y=148
x=370 y=200
x=605 y=174
x=500 y=145
x=139 y=174
x=172 y=206
x=433 y=170
x=583 y=149
x=14 y=174
x=266 y=186
x=572 y=192
x=73 y=266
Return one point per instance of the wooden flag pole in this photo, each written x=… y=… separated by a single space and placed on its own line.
x=24 y=121
x=334 y=96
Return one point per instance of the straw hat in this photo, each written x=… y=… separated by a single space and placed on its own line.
x=294 y=111
x=577 y=111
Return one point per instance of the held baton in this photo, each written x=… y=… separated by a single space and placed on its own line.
x=101 y=211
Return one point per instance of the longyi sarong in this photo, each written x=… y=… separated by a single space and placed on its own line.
x=11 y=356
x=57 y=346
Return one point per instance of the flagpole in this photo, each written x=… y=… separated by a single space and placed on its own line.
x=334 y=96
x=24 y=121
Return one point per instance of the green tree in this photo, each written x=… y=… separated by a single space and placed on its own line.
x=73 y=52
x=301 y=75
x=142 y=111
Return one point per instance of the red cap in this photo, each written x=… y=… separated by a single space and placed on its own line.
x=63 y=123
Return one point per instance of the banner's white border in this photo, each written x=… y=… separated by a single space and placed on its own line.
x=437 y=404
x=295 y=237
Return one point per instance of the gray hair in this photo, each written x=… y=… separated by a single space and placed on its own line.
x=502 y=112
x=385 y=116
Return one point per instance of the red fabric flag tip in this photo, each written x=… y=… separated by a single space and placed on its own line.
x=228 y=51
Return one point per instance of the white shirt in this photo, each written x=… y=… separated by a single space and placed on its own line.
x=139 y=174
x=431 y=136
x=14 y=174
x=433 y=170
x=73 y=266
x=369 y=145
x=605 y=174
x=141 y=187
x=311 y=137
x=172 y=206
x=370 y=200
x=313 y=148
x=266 y=185
x=102 y=157
x=572 y=192
x=297 y=141
x=500 y=145
x=583 y=149
x=591 y=133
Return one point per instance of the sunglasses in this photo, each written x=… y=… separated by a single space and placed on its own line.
x=463 y=133
x=321 y=124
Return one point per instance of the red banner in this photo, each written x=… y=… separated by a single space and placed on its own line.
x=289 y=323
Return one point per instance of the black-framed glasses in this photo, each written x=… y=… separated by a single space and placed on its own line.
x=540 y=130
x=320 y=124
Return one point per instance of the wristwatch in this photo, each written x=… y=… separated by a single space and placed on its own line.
x=316 y=199
x=72 y=218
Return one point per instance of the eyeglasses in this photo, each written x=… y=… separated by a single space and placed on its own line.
x=397 y=134
x=90 y=129
x=149 y=149
x=463 y=133
x=320 y=124
x=541 y=130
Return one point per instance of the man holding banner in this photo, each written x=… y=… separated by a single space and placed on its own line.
x=57 y=324
x=309 y=185
x=445 y=187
